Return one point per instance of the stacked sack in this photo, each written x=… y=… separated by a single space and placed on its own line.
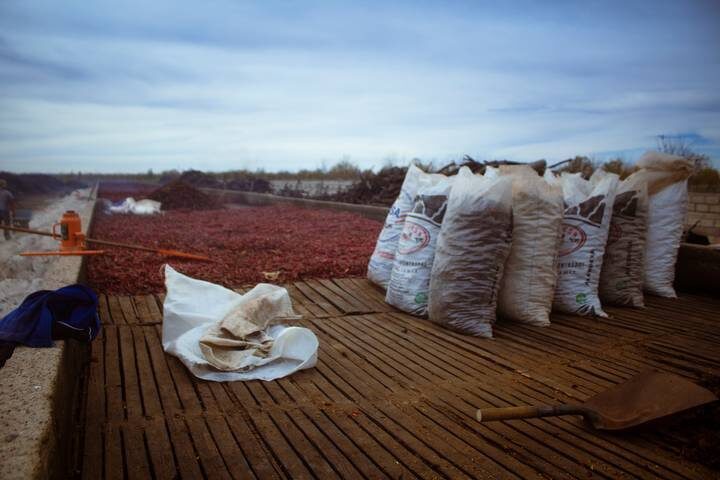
x=621 y=278
x=473 y=245
x=586 y=223
x=463 y=249
x=666 y=177
x=383 y=257
x=410 y=275
x=530 y=276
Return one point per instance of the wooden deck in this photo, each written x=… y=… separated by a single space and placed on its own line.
x=391 y=396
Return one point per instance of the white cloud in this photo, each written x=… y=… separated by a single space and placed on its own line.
x=230 y=87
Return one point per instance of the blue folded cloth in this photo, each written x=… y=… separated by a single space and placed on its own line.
x=69 y=312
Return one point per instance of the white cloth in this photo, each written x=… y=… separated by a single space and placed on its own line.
x=136 y=207
x=196 y=310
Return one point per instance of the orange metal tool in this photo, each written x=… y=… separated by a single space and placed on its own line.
x=74 y=242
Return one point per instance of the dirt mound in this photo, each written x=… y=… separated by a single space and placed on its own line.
x=249 y=183
x=178 y=195
x=381 y=188
x=199 y=179
x=119 y=190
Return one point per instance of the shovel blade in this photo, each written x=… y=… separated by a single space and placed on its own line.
x=645 y=397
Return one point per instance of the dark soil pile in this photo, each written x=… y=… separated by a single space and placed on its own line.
x=199 y=179
x=381 y=188
x=249 y=183
x=178 y=195
x=119 y=190
x=231 y=181
x=275 y=244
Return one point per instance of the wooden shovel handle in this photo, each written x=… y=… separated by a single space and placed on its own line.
x=510 y=413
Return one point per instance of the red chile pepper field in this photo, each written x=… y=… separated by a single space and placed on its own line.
x=274 y=244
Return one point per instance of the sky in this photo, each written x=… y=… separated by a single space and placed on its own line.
x=100 y=86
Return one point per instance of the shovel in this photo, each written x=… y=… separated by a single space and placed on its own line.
x=645 y=397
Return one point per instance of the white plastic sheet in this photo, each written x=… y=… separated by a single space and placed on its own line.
x=136 y=207
x=193 y=306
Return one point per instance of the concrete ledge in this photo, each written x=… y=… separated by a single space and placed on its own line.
x=251 y=198
x=38 y=389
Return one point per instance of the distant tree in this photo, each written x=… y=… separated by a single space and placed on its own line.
x=681 y=145
x=344 y=169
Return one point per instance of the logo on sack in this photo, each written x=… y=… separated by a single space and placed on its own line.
x=413 y=239
x=573 y=239
x=626 y=204
x=590 y=211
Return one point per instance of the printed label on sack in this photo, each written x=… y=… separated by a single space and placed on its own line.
x=573 y=239
x=413 y=239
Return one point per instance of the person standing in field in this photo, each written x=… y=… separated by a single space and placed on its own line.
x=7 y=207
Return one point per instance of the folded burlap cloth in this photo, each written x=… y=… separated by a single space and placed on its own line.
x=243 y=333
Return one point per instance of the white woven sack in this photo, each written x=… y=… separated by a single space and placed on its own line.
x=470 y=255
x=666 y=177
x=528 y=282
x=410 y=278
x=383 y=257
x=586 y=222
x=621 y=279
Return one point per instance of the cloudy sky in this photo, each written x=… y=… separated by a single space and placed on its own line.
x=127 y=86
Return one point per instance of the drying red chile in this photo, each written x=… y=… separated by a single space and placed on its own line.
x=299 y=243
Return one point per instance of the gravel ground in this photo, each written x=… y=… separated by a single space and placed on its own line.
x=20 y=276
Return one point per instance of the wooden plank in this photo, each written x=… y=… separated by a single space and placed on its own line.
x=160 y=449
x=131 y=387
x=232 y=455
x=114 y=465
x=103 y=309
x=95 y=416
x=113 y=378
x=115 y=310
x=135 y=452
x=146 y=378
x=254 y=449
x=212 y=462
x=187 y=456
x=391 y=396
x=166 y=387
x=299 y=298
x=128 y=309
x=318 y=299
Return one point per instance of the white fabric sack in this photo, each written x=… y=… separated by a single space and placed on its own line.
x=383 y=257
x=192 y=307
x=530 y=275
x=139 y=207
x=666 y=177
x=621 y=278
x=410 y=277
x=586 y=222
x=471 y=250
